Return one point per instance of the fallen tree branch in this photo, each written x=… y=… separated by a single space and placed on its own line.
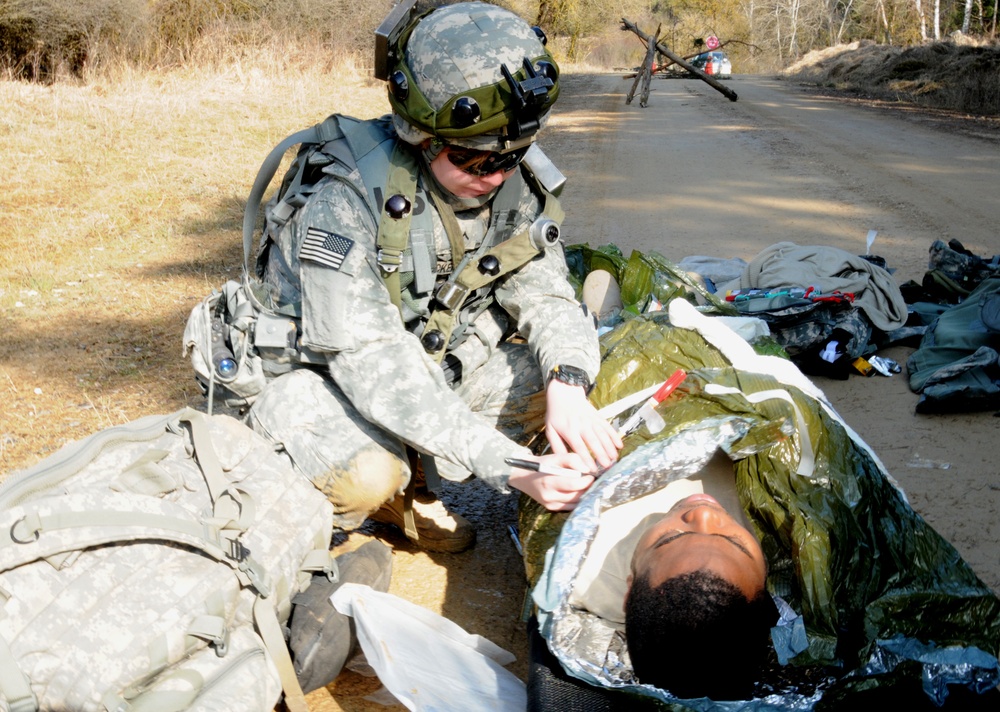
x=645 y=73
x=664 y=50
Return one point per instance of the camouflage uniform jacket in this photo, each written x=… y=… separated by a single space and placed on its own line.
x=378 y=362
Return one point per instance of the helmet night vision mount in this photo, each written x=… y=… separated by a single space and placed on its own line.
x=511 y=108
x=387 y=49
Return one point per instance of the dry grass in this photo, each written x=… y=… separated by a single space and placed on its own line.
x=961 y=74
x=52 y=40
x=120 y=209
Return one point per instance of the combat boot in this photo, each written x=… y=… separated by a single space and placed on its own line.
x=321 y=639
x=437 y=528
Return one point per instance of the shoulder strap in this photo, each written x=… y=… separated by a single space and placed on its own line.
x=394 y=221
x=14 y=685
x=327 y=130
x=504 y=258
x=388 y=169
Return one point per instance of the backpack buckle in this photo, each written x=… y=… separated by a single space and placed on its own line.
x=451 y=295
x=389 y=261
x=238 y=552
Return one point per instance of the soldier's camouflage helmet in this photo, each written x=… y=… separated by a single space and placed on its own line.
x=473 y=75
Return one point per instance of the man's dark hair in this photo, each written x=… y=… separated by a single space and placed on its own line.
x=697 y=635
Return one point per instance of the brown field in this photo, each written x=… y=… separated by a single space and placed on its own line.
x=121 y=209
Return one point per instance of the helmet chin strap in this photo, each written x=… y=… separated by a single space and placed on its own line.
x=432 y=149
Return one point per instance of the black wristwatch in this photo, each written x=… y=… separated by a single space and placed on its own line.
x=572 y=375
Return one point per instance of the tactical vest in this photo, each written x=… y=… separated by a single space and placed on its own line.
x=437 y=312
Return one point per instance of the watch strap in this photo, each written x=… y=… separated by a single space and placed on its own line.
x=571 y=375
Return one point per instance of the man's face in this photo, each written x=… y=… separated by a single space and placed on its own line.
x=462 y=184
x=698 y=534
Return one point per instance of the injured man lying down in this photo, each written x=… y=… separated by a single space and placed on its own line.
x=689 y=572
x=753 y=550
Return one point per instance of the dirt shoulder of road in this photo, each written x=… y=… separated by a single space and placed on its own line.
x=951 y=120
x=958 y=76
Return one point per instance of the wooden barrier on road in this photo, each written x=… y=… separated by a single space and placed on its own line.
x=645 y=72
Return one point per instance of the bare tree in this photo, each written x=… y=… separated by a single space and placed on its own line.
x=923 y=19
x=793 y=19
x=845 y=16
x=967 y=17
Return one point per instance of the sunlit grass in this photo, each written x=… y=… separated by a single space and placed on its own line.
x=120 y=208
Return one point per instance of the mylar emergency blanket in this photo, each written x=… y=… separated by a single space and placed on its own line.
x=867 y=587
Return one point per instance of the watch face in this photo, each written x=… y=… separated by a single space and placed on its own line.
x=572 y=375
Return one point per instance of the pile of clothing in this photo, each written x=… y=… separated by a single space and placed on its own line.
x=824 y=307
x=956 y=313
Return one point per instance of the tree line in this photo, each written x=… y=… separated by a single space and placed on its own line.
x=38 y=38
x=774 y=32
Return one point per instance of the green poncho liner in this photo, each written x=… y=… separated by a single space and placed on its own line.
x=642 y=277
x=956 y=367
x=871 y=588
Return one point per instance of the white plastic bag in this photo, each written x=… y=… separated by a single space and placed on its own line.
x=426 y=661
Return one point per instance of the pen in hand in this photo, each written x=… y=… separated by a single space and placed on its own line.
x=543 y=468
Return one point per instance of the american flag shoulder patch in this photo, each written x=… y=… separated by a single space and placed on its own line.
x=326 y=248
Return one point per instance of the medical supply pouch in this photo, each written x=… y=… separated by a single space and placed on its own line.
x=152 y=566
x=803 y=320
x=219 y=340
x=872 y=598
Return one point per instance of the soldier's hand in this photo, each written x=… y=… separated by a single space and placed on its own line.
x=572 y=424
x=555 y=492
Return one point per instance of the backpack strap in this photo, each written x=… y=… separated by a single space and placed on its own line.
x=269 y=627
x=14 y=686
x=327 y=130
x=394 y=222
x=39 y=530
x=404 y=240
x=137 y=699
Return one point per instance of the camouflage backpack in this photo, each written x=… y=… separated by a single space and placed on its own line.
x=803 y=320
x=953 y=271
x=151 y=566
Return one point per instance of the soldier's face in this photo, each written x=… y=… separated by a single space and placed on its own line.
x=699 y=534
x=462 y=184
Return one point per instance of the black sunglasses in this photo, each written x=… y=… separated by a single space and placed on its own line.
x=484 y=163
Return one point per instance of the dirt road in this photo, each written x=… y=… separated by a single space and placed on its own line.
x=696 y=174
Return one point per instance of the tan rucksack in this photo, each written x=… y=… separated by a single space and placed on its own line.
x=151 y=566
